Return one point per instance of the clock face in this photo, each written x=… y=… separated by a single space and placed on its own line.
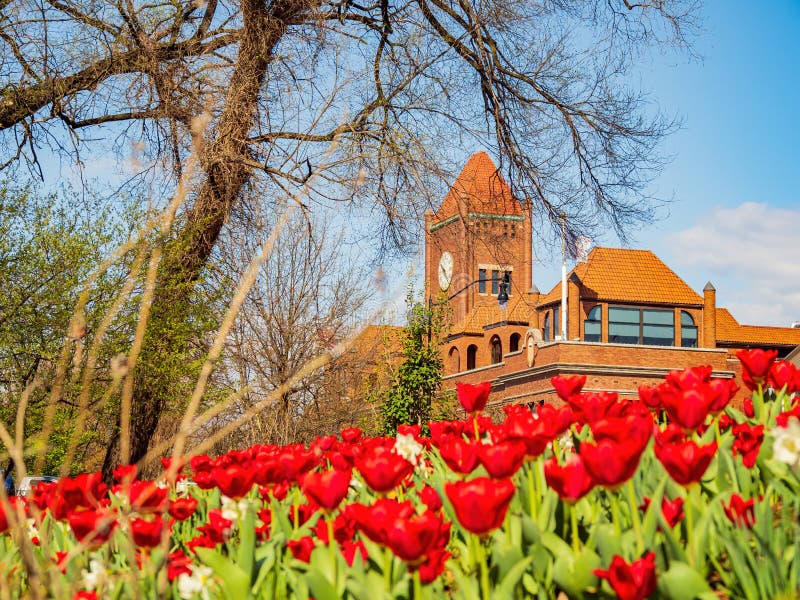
x=445 y=270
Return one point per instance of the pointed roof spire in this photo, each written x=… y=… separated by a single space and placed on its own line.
x=482 y=189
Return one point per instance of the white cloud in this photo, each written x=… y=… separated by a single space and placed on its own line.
x=751 y=253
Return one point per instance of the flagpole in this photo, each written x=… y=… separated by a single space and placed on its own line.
x=563 y=276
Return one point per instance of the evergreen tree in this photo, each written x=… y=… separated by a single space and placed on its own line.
x=419 y=377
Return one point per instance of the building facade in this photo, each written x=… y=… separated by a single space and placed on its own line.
x=630 y=318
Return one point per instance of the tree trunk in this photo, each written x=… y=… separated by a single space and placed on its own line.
x=226 y=172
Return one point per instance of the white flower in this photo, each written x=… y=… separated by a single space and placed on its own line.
x=407 y=447
x=196 y=584
x=95 y=576
x=32 y=531
x=233 y=510
x=786 y=447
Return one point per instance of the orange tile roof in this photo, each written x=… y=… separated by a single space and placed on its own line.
x=624 y=275
x=486 y=191
x=729 y=330
x=489 y=313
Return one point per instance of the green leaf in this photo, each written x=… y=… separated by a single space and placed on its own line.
x=682 y=582
x=320 y=587
x=235 y=582
x=508 y=583
x=576 y=575
x=247 y=541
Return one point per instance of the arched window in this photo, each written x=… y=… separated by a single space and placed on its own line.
x=513 y=343
x=546 y=328
x=688 y=331
x=472 y=352
x=455 y=360
x=497 y=350
x=593 y=325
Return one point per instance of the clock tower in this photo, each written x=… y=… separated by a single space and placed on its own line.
x=479 y=235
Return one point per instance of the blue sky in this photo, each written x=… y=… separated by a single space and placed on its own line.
x=735 y=174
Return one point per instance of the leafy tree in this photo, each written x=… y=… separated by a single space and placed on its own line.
x=409 y=400
x=375 y=96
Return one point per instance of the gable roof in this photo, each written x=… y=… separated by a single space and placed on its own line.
x=484 y=189
x=729 y=330
x=624 y=275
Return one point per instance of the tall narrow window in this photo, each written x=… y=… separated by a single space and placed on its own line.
x=472 y=352
x=513 y=342
x=508 y=275
x=495 y=281
x=593 y=325
x=481 y=281
x=556 y=322
x=688 y=331
x=455 y=360
x=546 y=328
x=497 y=350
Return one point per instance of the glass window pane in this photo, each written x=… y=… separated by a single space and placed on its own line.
x=495 y=281
x=623 y=315
x=658 y=335
x=658 y=317
x=482 y=281
x=689 y=337
x=686 y=318
x=591 y=331
x=595 y=314
x=623 y=333
x=546 y=328
x=508 y=290
x=556 y=322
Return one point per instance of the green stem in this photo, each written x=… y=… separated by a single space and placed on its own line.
x=333 y=546
x=296 y=509
x=637 y=523
x=387 y=569
x=531 y=491
x=417 y=585
x=689 y=525
x=483 y=558
x=475 y=426
x=615 y=513
x=573 y=514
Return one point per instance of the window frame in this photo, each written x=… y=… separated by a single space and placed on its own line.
x=641 y=325
x=598 y=309
x=689 y=327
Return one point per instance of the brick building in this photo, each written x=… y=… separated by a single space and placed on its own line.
x=630 y=318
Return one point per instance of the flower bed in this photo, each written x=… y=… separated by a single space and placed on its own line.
x=596 y=498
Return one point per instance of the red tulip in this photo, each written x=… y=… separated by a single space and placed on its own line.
x=433 y=565
x=147 y=534
x=748 y=442
x=782 y=375
x=480 y=504
x=502 y=459
x=740 y=511
x=473 y=397
x=178 y=564
x=148 y=497
x=412 y=537
x=92 y=527
x=301 y=549
x=671 y=510
x=686 y=462
x=181 y=509
x=373 y=520
x=382 y=468
x=723 y=391
x=747 y=408
x=570 y=481
x=351 y=435
x=612 y=463
x=631 y=582
x=523 y=426
x=566 y=387
x=235 y=480
x=218 y=528
x=649 y=395
x=430 y=498
x=327 y=488
x=351 y=549
x=124 y=474
x=690 y=378
x=460 y=455
x=688 y=408
x=756 y=365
